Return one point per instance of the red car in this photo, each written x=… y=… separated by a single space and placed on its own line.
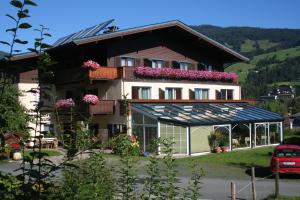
x=288 y=157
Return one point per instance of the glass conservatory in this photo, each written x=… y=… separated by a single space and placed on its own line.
x=189 y=125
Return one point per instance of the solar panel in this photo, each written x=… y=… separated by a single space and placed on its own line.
x=88 y=32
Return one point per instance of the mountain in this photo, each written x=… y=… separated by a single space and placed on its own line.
x=274 y=56
x=3 y=54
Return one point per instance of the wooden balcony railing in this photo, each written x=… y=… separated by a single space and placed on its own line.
x=106 y=73
x=104 y=107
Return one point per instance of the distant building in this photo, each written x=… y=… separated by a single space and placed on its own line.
x=281 y=92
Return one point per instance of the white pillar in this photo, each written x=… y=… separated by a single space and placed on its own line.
x=188 y=139
x=268 y=133
x=158 y=136
x=254 y=145
x=230 y=137
x=250 y=135
x=281 y=132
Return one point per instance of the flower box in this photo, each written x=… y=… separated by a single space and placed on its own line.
x=178 y=74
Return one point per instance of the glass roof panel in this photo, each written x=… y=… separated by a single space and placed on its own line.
x=207 y=113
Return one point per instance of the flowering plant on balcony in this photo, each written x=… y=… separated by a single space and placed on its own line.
x=64 y=103
x=90 y=64
x=171 y=73
x=91 y=99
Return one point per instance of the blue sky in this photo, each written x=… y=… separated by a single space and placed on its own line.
x=67 y=16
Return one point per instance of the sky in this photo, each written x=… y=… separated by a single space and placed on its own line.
x=64 y=17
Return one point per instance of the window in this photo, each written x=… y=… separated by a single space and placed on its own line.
x=92 y=91
x=226 y=94
x=173 y=93
x=201 y=93
x=208 y=68
x=127 y=62
x=69 y=94
x=157 y=63
x=141 y=93
x=184 y=65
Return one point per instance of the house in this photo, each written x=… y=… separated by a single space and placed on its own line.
x=173 y=78
x=282 y=92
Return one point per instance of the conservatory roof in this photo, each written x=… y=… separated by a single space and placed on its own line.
x=198 y=113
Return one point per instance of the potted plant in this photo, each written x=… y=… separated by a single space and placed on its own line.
x=223 y=144
x=214 y=141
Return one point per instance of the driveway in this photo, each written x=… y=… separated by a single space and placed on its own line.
x=212 y=188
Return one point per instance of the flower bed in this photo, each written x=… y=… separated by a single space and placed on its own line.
x=64 y=103
x=90 y=64
x=91 y=99
x=178 y=74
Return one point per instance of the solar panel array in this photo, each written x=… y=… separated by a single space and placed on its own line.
x=91 y=31
x=194 y=114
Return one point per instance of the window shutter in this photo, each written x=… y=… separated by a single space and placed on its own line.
x=192 y=66
x=175 y=64
x=218 y=94
x=147 y=63
x=161 y=94
x=166 y=64
x=178 y=93
x=135 y=93
x=137 y=62
x=117 y=61
x=191 y=94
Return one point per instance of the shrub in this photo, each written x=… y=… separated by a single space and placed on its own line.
x=124 y=144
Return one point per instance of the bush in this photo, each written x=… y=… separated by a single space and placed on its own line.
x=124 y=144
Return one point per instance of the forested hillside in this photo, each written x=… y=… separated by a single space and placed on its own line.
x=274 y=56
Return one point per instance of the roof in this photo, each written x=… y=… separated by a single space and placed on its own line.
x=214 y=113
x=173 y=23
x=85 y=36
x=3 y=54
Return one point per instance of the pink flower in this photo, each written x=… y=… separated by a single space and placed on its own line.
x=178 y=74
x=90 y=64
x=91 y=99
x=65 y=103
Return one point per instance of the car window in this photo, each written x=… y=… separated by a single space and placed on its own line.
x=287 y=153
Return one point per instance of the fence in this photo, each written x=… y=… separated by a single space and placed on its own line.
x=252 y=183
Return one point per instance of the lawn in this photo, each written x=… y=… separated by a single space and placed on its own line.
x=230 y=165
x=45 y=152
x=234 y=164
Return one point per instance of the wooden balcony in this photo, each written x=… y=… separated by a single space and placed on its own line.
x=104 y=107
x=106 y=73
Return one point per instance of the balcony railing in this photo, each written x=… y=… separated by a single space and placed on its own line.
x=131 y=73
x=105 y=73
x=104 y=107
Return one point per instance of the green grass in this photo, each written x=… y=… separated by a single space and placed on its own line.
x=266 y=44
x=280 y=55
x=248 y=46
x=45 y=152
x=241 y=69
x=246 y=157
